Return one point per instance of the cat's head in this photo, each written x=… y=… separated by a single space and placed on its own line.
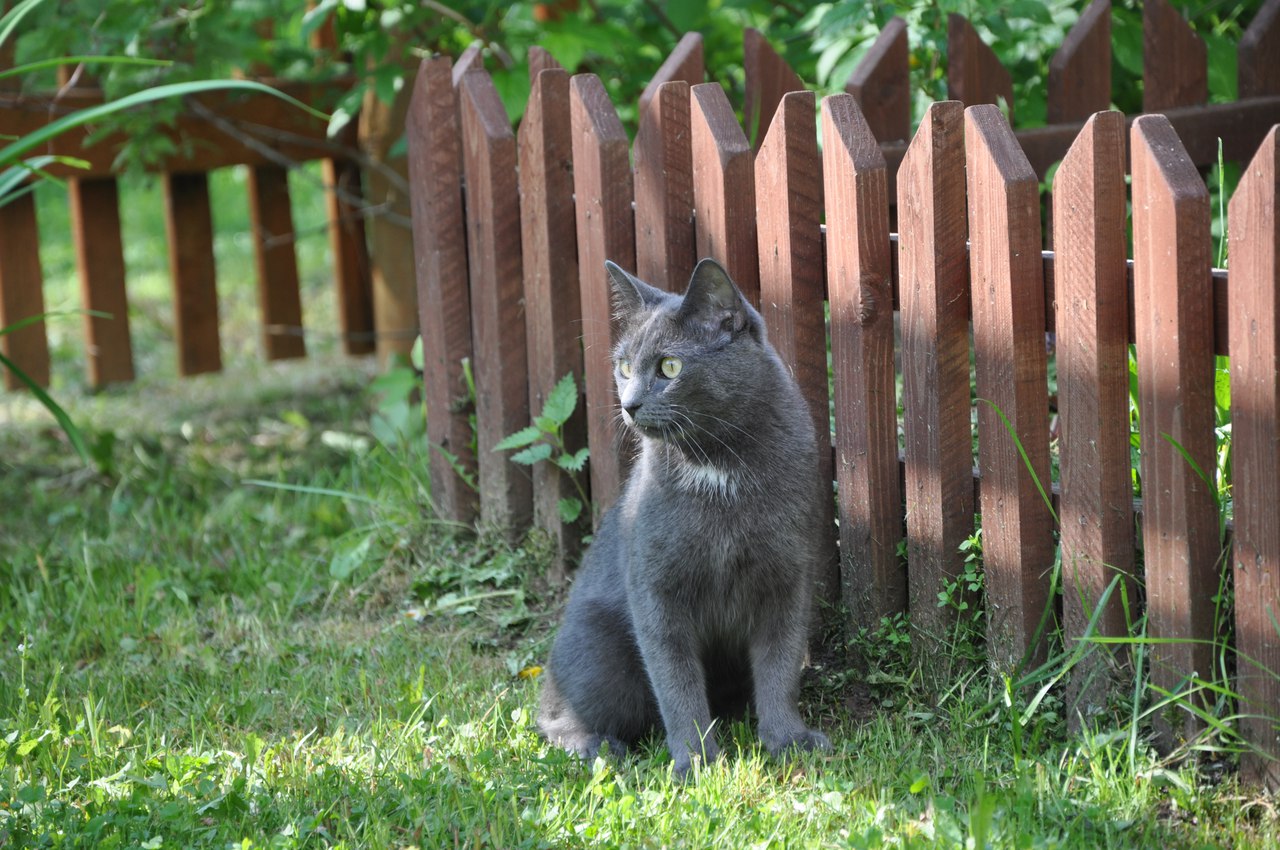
x=687 y=364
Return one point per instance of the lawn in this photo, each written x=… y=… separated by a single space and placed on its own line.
x=244 y=627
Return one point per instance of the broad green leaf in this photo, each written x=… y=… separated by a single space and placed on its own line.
x=570 y=510
x=415 y=354
x=562 y=400
x=574 y=462
x=519 y=439
x=533 y=454
x=350 y=558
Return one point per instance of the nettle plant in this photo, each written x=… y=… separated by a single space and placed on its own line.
x=543 y=442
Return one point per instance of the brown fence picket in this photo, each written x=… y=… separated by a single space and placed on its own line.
x=768 y=78
x=444 y=301
x=22 y=291
x=664 y=189
x=351 y=270
x=1080 y=70
x=1093 y=394
x=792 y=290
x=974 y=74
x=873 y=579
x=551 y=299
x=279 y=299
x=95 y=227
x=1258 y=72
x=724 y=188
x=1174 y=330
x=683 y=63
x=500 y=363
x=603 y=194
x=1175 y=69
x=1007 y=290
x=189 y=227
x=1255 y=412
x=933 y=268
x=882 y=83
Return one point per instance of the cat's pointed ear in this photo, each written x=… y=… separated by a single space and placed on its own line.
x=630 y=293
x=714 y=301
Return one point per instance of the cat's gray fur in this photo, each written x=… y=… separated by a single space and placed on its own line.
x=693 y=601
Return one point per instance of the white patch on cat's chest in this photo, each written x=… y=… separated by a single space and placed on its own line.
x=706 y=480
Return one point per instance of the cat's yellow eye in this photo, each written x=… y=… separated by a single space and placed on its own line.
x=624 y=366
x=670 y=366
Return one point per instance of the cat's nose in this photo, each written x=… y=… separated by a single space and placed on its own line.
x=632 y=408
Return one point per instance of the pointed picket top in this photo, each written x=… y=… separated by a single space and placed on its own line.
x=1080 y=70
x=1091 y=286
x=788 y=176
x=1173 y=330
x=684 y=63
x=860 y=292
x=541 y=60
x=664 y=189
x=769 y=77
x=1258 y=71
x=603 y=194
x=1255 y=411
x=1007 y=291
x=724 y=188
x=933 y=290
x=444 y=306
x=471 y=59
x=974 y=74
x=882 y=83
x=1175 y=69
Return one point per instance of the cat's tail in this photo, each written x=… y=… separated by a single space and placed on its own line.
x=562 y=726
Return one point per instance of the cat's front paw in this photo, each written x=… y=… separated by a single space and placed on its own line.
x=803 y=741
x=685 y=758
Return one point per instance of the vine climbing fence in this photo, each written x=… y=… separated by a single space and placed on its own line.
x=907 y=261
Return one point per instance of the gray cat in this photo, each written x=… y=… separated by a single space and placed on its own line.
x=693 y=601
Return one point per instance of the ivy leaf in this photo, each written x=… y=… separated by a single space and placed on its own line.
x=561 y=401
x=521 y=438
x=533 y=454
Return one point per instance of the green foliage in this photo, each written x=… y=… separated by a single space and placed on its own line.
x=543 y=441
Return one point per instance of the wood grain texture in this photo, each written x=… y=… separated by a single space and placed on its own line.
x=602 y=187
x=95 y=227
x=882 y=83
x=684 y=63
x=1254 y=226
x=1080 y=70
x=873 y=579
x=444 y=301
x=22 y=291
x=664 y=189
x=279 y=300
x=768 y=78
x=1174 y=332
x=1091 y=286
x=724 y=189
x=189 y=228
x=501 y=359
x=1175 y=70
x=1009 y=346
x=974 y=74
x=541 y=60
x=553 y=307
x=792 y=289
x=933 y=264
x=1257 y=71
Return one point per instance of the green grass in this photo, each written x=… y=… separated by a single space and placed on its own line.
x=191 y=660
x=245 y=628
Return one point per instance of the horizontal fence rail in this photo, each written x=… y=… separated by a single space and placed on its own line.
x=963 y=291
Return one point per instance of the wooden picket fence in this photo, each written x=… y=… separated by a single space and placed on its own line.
x=511 y=233
x=217 y=130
